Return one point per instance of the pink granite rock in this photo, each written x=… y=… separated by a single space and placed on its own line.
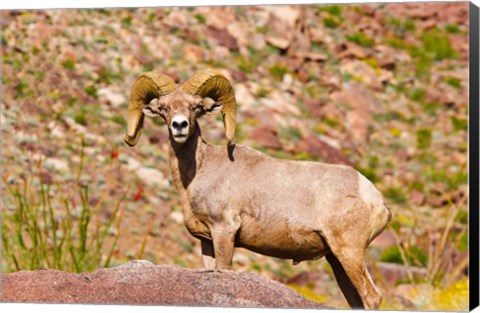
x=141 y=282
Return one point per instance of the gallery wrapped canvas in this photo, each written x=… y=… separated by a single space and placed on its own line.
x=319 y=156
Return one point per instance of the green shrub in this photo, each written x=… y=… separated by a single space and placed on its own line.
x=401 y=27
x=454 y=82
x=396 y=195
x=200 y=18
x=335 y=10
x=459 y=123
x=414 y=256
x=438 y=44
x=391 y=255
x=452 y=29
x=424 y=138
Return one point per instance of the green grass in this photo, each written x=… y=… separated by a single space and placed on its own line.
x=459 y=123
x=331 y=22
x=452 y=29
x=69 y=65
x=200 y=18
x=361 y=39
x=290 y=134
x=424 y=138
x=435 y=46
x=454 y=82
x=278 y=71
x=417 y=94
x=438 y=44
x=44 y=227
x=412 y=255
x=335 y=10
x=400 y=27
x=396 y=194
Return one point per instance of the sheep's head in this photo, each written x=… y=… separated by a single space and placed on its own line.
x=155 y=94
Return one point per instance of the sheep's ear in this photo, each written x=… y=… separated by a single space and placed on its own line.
x=207 y=106
x=212 y=107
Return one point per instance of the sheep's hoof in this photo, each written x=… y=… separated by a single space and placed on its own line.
x=206 y=270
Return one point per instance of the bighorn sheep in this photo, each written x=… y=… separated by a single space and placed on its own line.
x=239 y=197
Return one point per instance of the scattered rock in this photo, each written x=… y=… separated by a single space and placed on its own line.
x=266 y=137
x=312 y=56
x=219 y=17
x=243 y=91
x=268 y=119
x=193 y=53
x=352 y=50
x=364 y=72
x=239 y=76
x=316 y=147
x=177 y=217
x=360 y=103
x=113 y=97
x=412 y=295
x=384 y=240
x=281 y=25
x=141 y=282
x=281 y=43
x=395 y=273
x=223 y=37
x=176 y=19
x=281 y=102
x=288 y=15
x=56 y=164
x=149 y=176
x=237 y=31
x=417 y=197
x=386 y=56
x=314 y=107
x=83 y=130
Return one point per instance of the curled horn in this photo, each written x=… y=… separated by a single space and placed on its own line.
x=213 y=85
x=145 y=88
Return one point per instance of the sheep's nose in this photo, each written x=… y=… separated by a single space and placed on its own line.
x=180 y=125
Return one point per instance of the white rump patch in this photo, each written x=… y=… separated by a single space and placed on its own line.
x=367 y=192
x=379 y=214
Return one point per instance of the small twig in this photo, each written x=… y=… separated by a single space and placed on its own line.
x=404 y=257
x=82 y=157
x=455 y=272
x=145 y=239
x=451 y=215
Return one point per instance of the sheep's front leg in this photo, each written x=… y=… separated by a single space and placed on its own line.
x=223 y=245
x=208 y=254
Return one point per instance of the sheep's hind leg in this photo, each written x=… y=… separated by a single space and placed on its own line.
x=208 y=254
x=352 y=263
x=348 y=290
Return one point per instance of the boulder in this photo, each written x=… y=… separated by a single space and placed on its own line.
x=143 y=283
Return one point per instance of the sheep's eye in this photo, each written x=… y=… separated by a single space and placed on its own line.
x=197 y=108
